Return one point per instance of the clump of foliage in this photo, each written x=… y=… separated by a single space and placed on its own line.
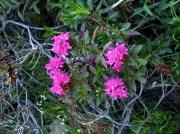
x=158 y=122
x=150 y=71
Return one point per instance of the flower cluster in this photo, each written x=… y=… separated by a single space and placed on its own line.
x=61 y=44
x=114 y=86
x=60 y=79
x=115 y=57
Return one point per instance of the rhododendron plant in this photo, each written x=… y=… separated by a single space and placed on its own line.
x=61 y=47
x=89 y=66
x=115 y=56
x=115 y=87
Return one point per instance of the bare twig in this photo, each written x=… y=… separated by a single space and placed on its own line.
x=116 y=4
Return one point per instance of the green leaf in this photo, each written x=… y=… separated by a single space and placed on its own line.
x=164 y=5
x=137 y=49
x=175 y=21
x=4 y=4
x=141 y=79
x=141 y=61
x=133 y=85
x=106 y=10
x=93 y=70
x=146 y=8
x=49 y=32
x=98 y=7
x=113 y=16
x=125 y=26
x=20 y=16
x=90 y=4
x=137 y=11
x=177 y=67
x=73 y=13
x=34 y=6
x=86 y=39
x=82 y=91
x=105 y=47
x=100 y=60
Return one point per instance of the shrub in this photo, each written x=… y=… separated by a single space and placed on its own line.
x=110 y=65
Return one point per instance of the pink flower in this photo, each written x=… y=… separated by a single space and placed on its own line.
x=115 y=87
x=60 y=82
x=61 y=44
x=57 y=89
x=115 y=57
x=60 y=77
x=65 y=36
x=54 y=63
